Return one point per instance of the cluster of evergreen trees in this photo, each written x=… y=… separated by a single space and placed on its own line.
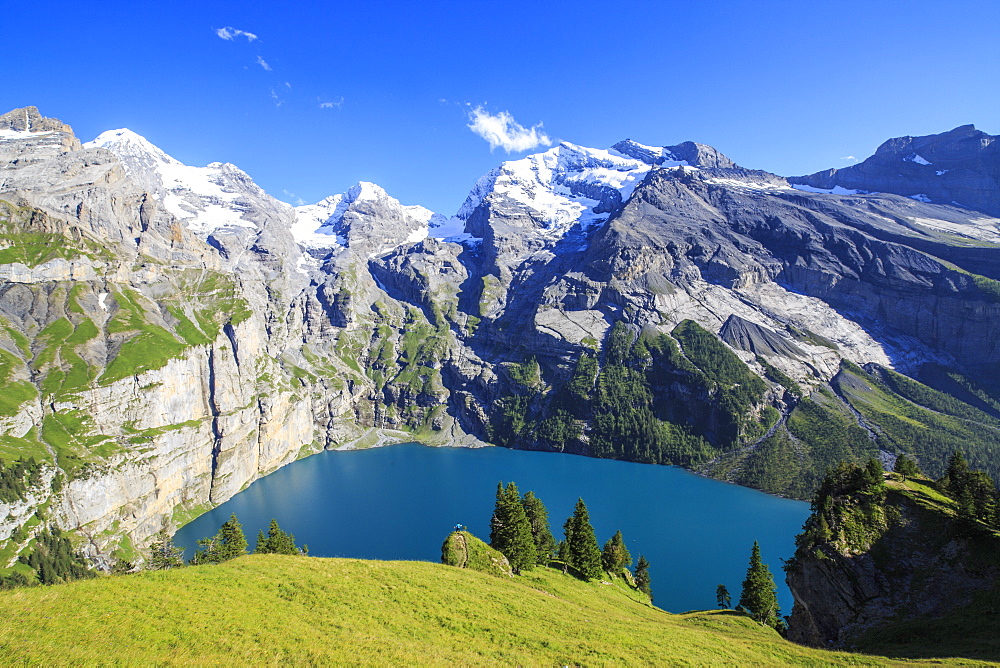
x=17 y=478
x=228 y=543
x=977 y=497
x=519 y=529
x=54 y=560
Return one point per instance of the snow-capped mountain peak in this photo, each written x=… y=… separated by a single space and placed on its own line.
x=366 y=215
x=565 y=186
x=204 y=198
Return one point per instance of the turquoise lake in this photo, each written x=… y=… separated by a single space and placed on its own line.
x=401 y=501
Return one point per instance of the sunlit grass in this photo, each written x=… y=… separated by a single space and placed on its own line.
x=276 y=609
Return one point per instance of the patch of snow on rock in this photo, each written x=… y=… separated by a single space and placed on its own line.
x=836 y=190
x=203 y=198
x=917 y=159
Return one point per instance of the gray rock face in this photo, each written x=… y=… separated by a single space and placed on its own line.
x=958 y=167
x=913 y=565
x=753 y=338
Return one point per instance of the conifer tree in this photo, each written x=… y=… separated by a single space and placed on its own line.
x=642 y=581
x=956 y=474
x=722 y=596
x=163 y=554
x=874 y=477
x=538 y=519
x=234 y=543
x=227 y=544
x=510 y=531
x=759 y=596
x=276 y=541
x=615 y=556
x=581 y=544
x=906 y=467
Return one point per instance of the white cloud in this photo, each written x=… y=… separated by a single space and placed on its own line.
x=338 y=103
x=502 y=130
x=850 y=157
x=230 y=33
x=263 y=63
x=276 y=98
x=294 y=198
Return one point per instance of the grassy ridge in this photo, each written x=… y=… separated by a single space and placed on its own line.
x=270 y=608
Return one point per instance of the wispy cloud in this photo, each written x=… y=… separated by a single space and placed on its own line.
x=294 y=198
x=849 y=157
x=263 y=63
x=276 y=98
x=331 y=104
x=230 y=33
x=502 y=130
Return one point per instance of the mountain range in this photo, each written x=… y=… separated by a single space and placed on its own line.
x=170 y=333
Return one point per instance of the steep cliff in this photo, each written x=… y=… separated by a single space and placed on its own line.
x=879 y=556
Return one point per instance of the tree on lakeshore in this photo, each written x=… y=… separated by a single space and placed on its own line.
x=642 y=581
x=227 y=544
x=510 y=531
x=581 y=543
x=615 y=556
x=722 y=597
x=276 y=541
x=163 y=554
x=760 y=596
x=538 y=519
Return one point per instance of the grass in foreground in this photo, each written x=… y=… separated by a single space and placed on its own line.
x=269 y=608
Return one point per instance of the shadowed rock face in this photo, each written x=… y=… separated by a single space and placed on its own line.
x=914 y=562
x=958 y=167
x=295 y=330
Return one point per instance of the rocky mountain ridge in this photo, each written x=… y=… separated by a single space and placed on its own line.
x=173 y=332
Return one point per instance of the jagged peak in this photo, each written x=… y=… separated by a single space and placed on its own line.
x=29 y=119
x=651 y=155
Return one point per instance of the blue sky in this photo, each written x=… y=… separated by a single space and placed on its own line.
x=330 y=93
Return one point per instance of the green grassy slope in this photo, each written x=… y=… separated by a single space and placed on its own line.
x=270 y=609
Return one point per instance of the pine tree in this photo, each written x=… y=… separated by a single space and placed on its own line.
x=722 y=596
x=163 y=554
x=276 y=541
x=227 y=544
x=234 y=543
x=642 y=582
x=956 y=474
x=759 y=596
x=584 y=555
x=874 y=476
x=615 y=556
x=906 y=467
x=510 y=531
x=538 y=519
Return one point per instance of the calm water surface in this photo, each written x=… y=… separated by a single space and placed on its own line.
x=401 y=501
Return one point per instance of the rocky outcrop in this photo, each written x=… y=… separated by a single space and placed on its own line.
x=865 y=564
